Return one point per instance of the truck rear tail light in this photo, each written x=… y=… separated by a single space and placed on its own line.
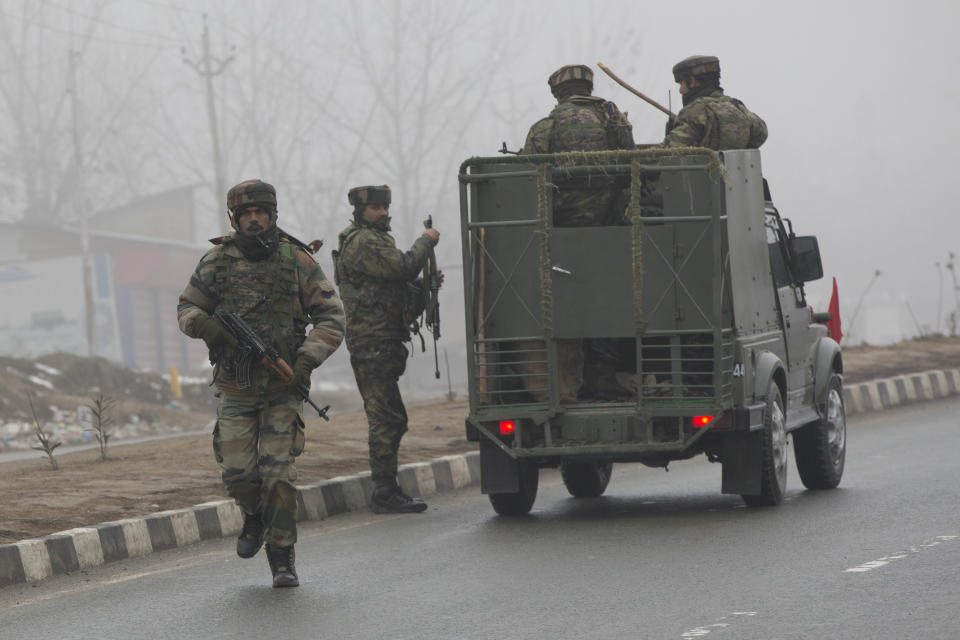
x=701 y=421
x=507 y=427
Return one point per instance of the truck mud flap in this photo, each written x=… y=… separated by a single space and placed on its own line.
x=742 y=463
x=499 y=473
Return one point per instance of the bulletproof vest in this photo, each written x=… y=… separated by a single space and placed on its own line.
x=579 y=125
x=729 y=123
x=266 y=294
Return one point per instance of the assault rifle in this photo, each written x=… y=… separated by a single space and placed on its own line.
x=251 y=348
x=431 y=287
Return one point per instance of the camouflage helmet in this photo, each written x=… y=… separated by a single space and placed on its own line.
x=570 y=72
x=370 y=194
x=695 y=66
x=252 y=192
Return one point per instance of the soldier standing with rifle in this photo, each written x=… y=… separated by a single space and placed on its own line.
x=269 y=281
x=382 y=297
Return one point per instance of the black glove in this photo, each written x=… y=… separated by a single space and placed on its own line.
x=671 y=123
x=302 y=369
x=212 y=331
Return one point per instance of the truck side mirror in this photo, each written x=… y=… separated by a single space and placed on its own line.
x=806 y=258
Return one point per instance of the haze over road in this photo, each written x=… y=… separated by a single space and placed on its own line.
x=662 y=555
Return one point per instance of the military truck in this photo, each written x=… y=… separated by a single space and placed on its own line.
x=697 y=284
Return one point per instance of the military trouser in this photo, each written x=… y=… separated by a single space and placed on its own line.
x=256 y=442
x=377 y=366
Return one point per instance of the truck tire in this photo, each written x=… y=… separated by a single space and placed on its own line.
x=773 y=452
x=820 y=447
x=586 y=479
x=519 y=503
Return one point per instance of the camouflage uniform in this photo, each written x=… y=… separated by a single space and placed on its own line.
x=382 y=299
x=259 y=430
x=709 y=118
x=579 y=122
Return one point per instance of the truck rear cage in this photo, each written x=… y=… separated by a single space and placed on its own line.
x=685 y=367
x=498 y=382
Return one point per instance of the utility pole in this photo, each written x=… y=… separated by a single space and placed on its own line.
x=939 y=294
x=208 y=66
x=82 y=209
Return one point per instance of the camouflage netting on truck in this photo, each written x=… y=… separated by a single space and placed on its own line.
x=640 y=161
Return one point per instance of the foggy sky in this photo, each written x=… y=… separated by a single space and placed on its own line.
x=859 y=98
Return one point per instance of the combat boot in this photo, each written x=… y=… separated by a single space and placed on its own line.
x=251 y=537
x=282 y=567
x=393 y=500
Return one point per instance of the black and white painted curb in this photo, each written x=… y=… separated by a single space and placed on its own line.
x=77 y=549
x=899 y=390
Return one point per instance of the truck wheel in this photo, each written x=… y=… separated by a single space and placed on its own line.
x=519 y=503
x=821 y=447
x=773 y=451
x=586 y=479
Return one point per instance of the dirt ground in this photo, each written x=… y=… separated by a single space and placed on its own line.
x=138 y=479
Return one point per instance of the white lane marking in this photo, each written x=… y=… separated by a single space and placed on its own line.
x=899 y=555
x=699 y=632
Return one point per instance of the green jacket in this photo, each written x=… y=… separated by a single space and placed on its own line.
x=717 y=122
x=378 y=283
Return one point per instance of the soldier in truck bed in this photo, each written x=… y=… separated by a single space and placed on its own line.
x=579 y=122
x=709 y=118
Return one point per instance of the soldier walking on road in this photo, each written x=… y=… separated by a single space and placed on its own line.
x=709 y=118
x=382 y=298
x=268 y=279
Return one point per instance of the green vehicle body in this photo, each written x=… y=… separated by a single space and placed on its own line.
x=701 y=287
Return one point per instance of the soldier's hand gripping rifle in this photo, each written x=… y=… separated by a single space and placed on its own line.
x=251 y=348
x=431 y=307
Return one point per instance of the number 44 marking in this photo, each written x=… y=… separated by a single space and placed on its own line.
x=738 y=370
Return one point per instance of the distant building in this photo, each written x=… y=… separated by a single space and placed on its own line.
x=142 y=255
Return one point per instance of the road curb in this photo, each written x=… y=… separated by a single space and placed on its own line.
x=64 y=552
x=909 y=388
x=77 y=549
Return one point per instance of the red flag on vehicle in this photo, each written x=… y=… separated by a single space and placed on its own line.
x=834 y=325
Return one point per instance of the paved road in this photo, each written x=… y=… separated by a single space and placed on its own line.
x=662 y=555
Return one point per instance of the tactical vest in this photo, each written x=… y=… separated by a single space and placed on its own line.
x=266 y=294
x=729 y=123
x=587 y=123
x=579 y=125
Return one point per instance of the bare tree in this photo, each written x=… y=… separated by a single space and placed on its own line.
x=47 y=444
x=100 y=421
x=43 y=45
x=428 y=91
